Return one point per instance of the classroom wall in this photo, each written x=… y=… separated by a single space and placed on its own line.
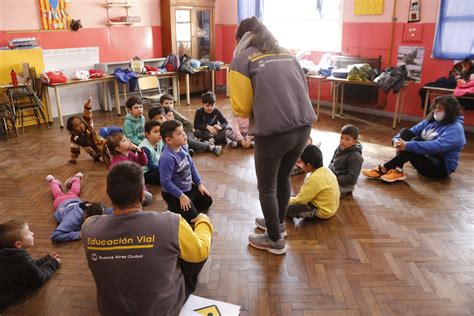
x=367 y=36
x=116 y=43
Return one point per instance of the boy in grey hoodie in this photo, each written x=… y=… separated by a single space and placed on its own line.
x=134 y=124
x=347 y=160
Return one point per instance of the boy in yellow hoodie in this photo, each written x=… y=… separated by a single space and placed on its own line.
x=319 y=195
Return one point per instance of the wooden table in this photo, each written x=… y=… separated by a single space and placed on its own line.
x=430 y=91
x=103 y=80
x=338 y=85
x=319 y=79
x=213 y=82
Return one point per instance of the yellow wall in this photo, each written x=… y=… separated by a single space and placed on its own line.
x=12 y=59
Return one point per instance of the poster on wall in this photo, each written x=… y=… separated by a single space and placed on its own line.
x=54 y=14
x=412 y=58
x=368 y=7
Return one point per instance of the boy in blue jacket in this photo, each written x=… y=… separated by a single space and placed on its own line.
x=433 y=146
x=70 y=210
x=181 y=185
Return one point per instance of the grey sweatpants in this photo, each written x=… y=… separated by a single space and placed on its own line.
x=275 y=157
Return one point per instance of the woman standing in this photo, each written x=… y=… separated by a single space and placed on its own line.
x=268 y=86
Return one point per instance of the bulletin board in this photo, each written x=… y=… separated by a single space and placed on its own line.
x=54 y=14
x=368 y=7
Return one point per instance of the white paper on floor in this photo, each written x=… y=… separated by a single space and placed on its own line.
x=213 y=307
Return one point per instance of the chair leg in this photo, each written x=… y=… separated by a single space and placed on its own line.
x=22 y=123
x=44 y=117
x=37 y=116
x=5 y=127
x=13 y=123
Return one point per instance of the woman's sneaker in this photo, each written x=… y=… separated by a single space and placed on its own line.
x=263 y=242
x=374 y=173
x=393 y=175
x=260 y=223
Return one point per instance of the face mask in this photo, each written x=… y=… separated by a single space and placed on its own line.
x=438 y=116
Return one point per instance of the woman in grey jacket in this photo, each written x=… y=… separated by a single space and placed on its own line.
x=268 y=86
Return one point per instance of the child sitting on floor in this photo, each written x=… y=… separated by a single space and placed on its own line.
x=347 y=160
x=18 y=271
x=319 y=195
x=157 y=113
x=181 y=185
x=152 y=146
x=209 y=122
x=239 y=134
x=134 y=124
x=83 y=135
x=70 y=210
x=122 y=149
x=167 y=101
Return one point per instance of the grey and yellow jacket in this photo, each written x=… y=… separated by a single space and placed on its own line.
x=271 y=90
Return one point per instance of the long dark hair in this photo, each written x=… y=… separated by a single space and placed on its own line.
x=451 y=109
x=262 y=39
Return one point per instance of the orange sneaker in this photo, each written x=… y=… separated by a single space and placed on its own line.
x=393 y=175
x=374 y=173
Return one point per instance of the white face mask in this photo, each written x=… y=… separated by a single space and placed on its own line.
x=438 y=116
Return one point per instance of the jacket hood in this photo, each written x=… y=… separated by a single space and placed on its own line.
x=356 y=147
x=9 y=256
x=132 y=118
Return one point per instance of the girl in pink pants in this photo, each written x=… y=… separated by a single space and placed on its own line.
x=73 y=184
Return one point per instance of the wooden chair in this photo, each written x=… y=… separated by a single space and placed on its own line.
x=6 y=117
x=150 y=90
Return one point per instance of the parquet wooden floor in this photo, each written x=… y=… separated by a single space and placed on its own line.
x=403 y=248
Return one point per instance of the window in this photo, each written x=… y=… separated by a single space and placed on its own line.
x=305 y=24
x=454 y=37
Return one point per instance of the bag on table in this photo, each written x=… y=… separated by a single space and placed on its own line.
x=52 y=77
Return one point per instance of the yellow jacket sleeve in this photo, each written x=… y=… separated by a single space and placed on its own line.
x=241 y=94
x=194 y=246
x=307 y=192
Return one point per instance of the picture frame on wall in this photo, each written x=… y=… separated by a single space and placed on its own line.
x=414 y=11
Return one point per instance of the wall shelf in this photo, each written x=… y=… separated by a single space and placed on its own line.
x=112 y=5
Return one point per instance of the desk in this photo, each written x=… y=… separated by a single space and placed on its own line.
x=174 y=76
x=438 y=91
x=319 y=79
x=339 y=83
x=103 y=80
x=213 y=82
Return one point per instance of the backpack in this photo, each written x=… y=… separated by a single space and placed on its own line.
x=171 y=63
x=186 y=66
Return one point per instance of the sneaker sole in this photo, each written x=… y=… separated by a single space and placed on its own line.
x=393 y=180
x=271 y=250
x=284 y=234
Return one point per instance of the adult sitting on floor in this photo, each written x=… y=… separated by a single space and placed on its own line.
x=433 y=146
x=143 y=263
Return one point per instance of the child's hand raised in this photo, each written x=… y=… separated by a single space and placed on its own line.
x=184 y=202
